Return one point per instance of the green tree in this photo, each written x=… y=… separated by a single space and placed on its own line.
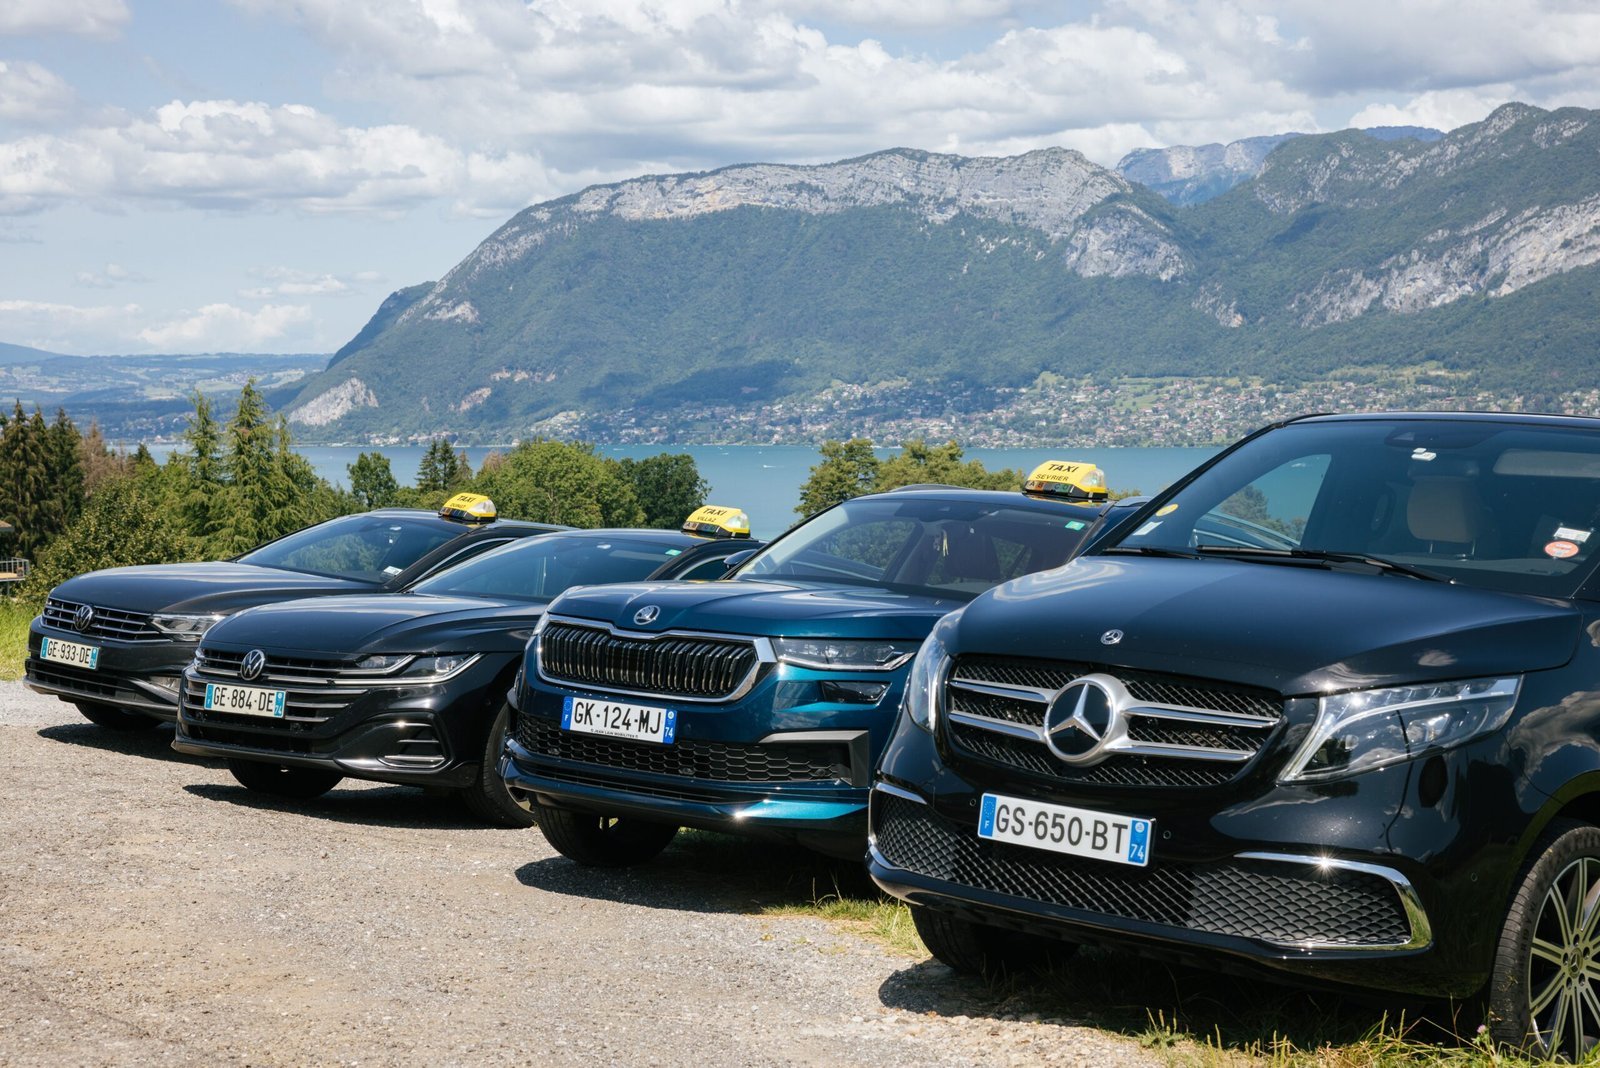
x=64 y=470
x=122 y=524
x=668 y=487
x=918 y=462
x=198 y=474
x=561 y=482
x=25 y=489
x=848 y=469
x=443 y=470
x=372 y=482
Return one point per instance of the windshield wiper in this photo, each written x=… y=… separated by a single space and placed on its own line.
x=1377 y=563
x=1150 y=550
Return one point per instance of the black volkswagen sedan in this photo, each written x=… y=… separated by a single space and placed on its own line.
x=405 y=688
x=1329 y=707
x=114 y=642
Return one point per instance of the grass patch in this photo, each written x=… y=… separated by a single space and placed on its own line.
x=14 y=619
x=882 y=919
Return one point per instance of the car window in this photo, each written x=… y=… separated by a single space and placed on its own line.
x=711 y=568
x=923 y=545
x=537 y=569
x=1500 y=505
x=366 y=547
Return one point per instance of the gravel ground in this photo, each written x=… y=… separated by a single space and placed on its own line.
x=153 y=911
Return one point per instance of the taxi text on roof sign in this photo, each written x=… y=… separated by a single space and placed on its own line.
x=469 y=508
x=713 y=521
x=1062 y=478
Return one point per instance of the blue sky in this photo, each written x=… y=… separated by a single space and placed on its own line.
x=256 y=175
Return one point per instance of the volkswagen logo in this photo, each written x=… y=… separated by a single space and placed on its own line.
x=646 y=615
x=251 y=665
x=82 y=618
x=1111 y=637
x=1080 y=720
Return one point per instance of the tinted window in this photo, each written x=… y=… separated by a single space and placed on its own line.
x=367 y=547
x=539 y=568
x=1500 y=505
x=922 y=545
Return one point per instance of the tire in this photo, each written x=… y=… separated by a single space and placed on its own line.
x=280 y=780
x=603 y=841
x=1544 y=989
x=488 y=798
x=978 y=949
x=115 y=719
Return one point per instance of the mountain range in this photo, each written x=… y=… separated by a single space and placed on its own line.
x=1018 y=300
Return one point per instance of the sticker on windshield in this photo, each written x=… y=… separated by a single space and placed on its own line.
x=1560 y=550
x=391 y=570
x=1147 y=528
x=1075 y=524
x=1166 y=509
x=1568 y=534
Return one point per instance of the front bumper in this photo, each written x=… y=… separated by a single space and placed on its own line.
x=778 y=764
x=422 y=735
x=141 y=676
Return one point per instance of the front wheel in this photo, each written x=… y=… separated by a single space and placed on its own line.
x=978 y=949
x=488 y=798
x=116 y=719
x=280 y=780
x=603 y=841
x=1544 y=990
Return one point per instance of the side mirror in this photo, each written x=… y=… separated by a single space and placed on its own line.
x=733 y=560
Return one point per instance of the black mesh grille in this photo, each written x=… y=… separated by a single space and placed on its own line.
x=82 y=682
x=675 y=665
x=1167 y=770
x=712 y=761
x=1272 y=901
x=107 y=622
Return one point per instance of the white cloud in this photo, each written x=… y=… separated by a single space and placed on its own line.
x=90 y=18
x=288 y=282
x=57 y=327
x=1444 y=110
x=113 y=275
x=30 y=94
x=919 y=14
x=218 y=327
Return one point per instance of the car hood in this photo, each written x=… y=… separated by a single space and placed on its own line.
x=761 y=608
x=1291 y=629
x=325 y=627
x=222 y=586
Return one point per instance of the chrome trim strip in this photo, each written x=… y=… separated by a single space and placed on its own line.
x=1190 y=714
x=762 y=647
x=895 y=791
x=998 y=726
x=1022 y=693
x=1410 y=902
x=1185 y=752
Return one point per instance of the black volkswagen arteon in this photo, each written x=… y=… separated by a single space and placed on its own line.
x=115 y=642
x=409 y=688
x=1329 y=707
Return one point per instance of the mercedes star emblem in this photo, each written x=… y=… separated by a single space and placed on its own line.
x=646 y=615
x=1080 y=720
x=1111 y=637
x=252 y=664
x=82 y=618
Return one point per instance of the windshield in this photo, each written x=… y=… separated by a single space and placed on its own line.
x=369 y=548
x=537 y=569
x=1501 y=505
x=926 y=546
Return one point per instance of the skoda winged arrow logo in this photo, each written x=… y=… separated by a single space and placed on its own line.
x=1080 y=721
x=82 y=618
x=646 y=615
x=252 y=664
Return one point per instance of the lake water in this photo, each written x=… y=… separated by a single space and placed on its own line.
x=765 y=480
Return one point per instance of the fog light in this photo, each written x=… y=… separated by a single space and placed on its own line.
x=853 y=693
x=170 y=683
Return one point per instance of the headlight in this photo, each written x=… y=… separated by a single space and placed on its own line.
x=430 y=668
x=410 y=668
x=927 y=673
x=185 y=628
x=1368 y=729
x=382 y=663
x=828 y=654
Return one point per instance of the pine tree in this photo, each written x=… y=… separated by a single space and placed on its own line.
x=199 y=473
x=441 y=470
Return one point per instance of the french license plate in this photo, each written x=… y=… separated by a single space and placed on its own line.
x=84 y=656
x=1060 y=829
x=244 y=700
x=616 y=720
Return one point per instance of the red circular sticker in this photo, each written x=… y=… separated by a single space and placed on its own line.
x=1561 y=549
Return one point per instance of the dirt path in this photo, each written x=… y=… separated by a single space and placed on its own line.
x=152 y=911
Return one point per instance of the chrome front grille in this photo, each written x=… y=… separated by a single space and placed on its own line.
x=1170 y=731
x=314 y=690
x=106 y=622
x=692 y=667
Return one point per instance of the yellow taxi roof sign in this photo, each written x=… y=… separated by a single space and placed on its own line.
x=714 y=521
x=1064 y=478
x=468 y=508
